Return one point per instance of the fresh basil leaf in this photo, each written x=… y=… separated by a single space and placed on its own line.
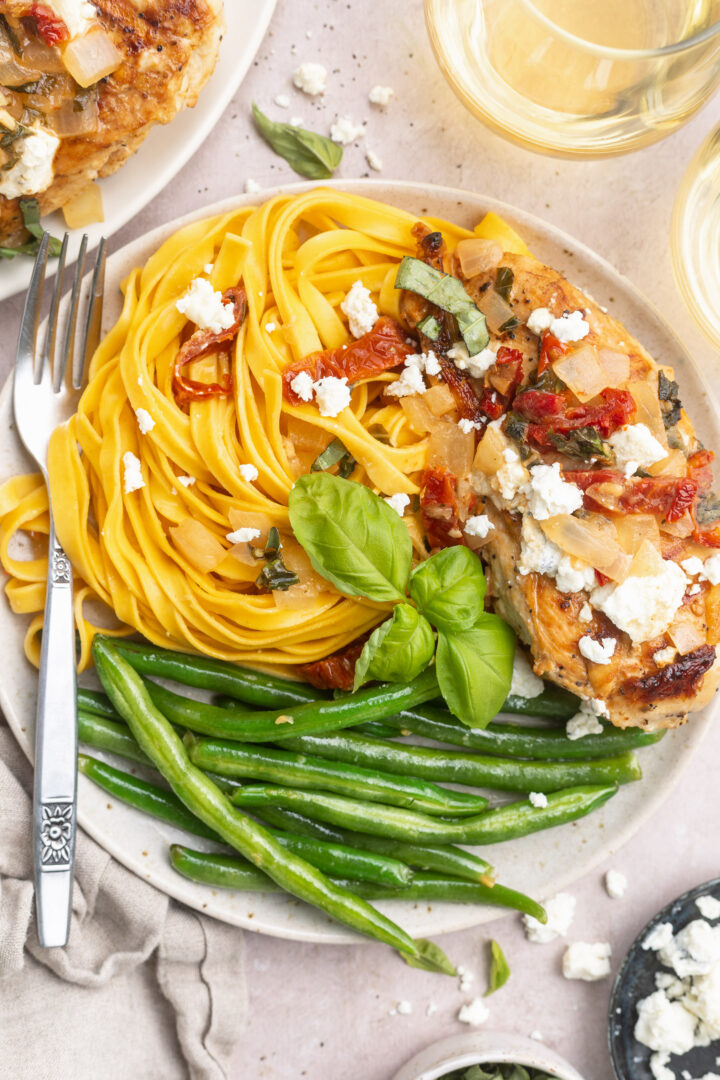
x=398 y=650
x=499 y=969
x=446 y=292
x=275 y=575
x=309 y=154
x=449 y=588
x=335 y=453
x=353 y=538
x=430 y=327
x=431 y=958
x=474 y=669
x=504 y=278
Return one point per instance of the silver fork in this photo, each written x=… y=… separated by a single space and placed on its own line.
x=45 y=394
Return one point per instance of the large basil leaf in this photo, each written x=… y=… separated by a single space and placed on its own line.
x=309 y=154
x=449 y=588
x=354 y=539
x=398 y=650
x=474 y=669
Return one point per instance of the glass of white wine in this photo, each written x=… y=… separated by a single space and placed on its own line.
x=579 y=77
x=695 y=237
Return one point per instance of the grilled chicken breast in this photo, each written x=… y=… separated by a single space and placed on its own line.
x=166 y=51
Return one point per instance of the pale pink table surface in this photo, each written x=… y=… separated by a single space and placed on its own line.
x=325 y=1012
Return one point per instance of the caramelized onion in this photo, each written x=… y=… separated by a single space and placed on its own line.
x=489 y=454
x=91 y=57
x=647 y=405
x=675 y=464
x=592 y=539
x=686 y=632
x=439 y=399
x=198 y=544
x=451 y=449
x=496 y=310
x=76 y=118
x=477 y=256
x=634 y=529
x=581 y=372
x=86 y=208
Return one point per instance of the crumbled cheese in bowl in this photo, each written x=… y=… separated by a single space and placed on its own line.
x=643 y=606
x=588 y=961
x=310 y=78
x=32 y=172
x=361 y=311
x=204 y=306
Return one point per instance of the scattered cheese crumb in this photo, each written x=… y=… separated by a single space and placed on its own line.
x=548 y=494
x=615 y=884
x=636 y=446
x=186 y=481
x=295 y=121
x=585 y=614
x=410 y=381
x=663 y=657
x=373 y=160
x=427 y=362
x=303 y=386
x=345 y=131
x=587 y=961
x=465 y=979
x=144 y=420
x=692 y=566
x=478 y=525
x=360 y=309
x=474 y=1013
x=133 y=478
x=560 y=910
x=431 y=1008
x=332 y=395
x=252 y=187
x=537 y=1035
x=204 y=306
x=525 y=683
x=269 y=327
x=569 y=327
x=694 y=590
x=466 y=426
x=398 y=503
x=476 y=365
x=585 y=722
x=380 y=95
x=643 y=606
x=310 y=78
x=208 y=268
x=538 y=799
x=248 y=472
x=242 y=536
x=404 y=1008
x=598 y=652
x=282 y=101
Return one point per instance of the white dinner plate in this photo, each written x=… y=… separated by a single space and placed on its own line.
x=168 y=146
x=539 y=864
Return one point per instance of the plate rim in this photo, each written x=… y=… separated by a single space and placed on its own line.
x=461 y=917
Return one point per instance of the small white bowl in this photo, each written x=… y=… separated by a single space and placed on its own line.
x=481 y=1048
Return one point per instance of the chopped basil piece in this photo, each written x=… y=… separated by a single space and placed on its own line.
x=275 y=575
x=335 y=453
x=504 y=279
x=430 y=327
x=499 y=969
x=31 y=220
x=582 y=443
x=309 y=154
x=708 y=509
x=446 y=292
x=670 y=403
x=509 y=324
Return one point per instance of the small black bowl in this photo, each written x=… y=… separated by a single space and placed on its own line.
x=636 y=979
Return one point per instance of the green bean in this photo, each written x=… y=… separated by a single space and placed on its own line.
x=92 y=701
x=317 y=774
x=500 y=774
x=553 y=704
x=105 y=734
x=157 y=738
x=258 y=688
x=232 y=873
x=517 y=740
x=315 y=717
x=492 y=827
x=299 y=824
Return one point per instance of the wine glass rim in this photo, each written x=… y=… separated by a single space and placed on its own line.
x=624 y=54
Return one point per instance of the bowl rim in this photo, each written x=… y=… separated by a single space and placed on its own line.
x=485 y=1047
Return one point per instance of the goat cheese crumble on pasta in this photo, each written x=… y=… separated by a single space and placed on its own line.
x=332 y=395
x=145 y=421
x=132 y=476
x=248 y=472
x=399 y=503
x=242 y=536
x=361 y=311
x=204 y=306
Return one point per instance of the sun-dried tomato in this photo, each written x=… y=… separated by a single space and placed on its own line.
x=337 y=671
x=200 y=344
x=700 y=469
x=51 y=28
x=551 y=414
x=382 y=348
x=539 y=406
x=440 y=508
x=551 y=349
x=668 y=496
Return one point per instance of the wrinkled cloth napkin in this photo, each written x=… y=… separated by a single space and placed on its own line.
x=145 y=987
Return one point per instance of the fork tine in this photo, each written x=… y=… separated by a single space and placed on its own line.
x=60 y=366
x=31 y=312
x=48 y=350
x=93 y=321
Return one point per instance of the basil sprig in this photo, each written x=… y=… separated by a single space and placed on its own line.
x=499 y=969
x=357 y=542
x=309 y=154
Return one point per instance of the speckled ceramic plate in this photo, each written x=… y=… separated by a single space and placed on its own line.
x=168 y=147
x=539 y=864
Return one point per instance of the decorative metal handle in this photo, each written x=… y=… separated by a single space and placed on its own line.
x=55 y=788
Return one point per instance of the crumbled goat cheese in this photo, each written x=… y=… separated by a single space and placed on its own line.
x=658 y=1067
x=664 y=1025
x=525 y=683
x=133 y=478
x=548 y=494
x=248 y=472
x=663 y=657
x=478 y=525
x=474 y=1013
x=708 y=907
x=694 y=590
x=588 y=961
x=252 y=187
x=538 y=799
x=145 y=421
x=599 y=652
x=466 y=426
x=186 y=481
x=410 y=381
x=332 y=395
x=373 y=160
x=585 y=614
x=615 y=884
x=569 y=327
x=310 y=78
x=269 y=327
x=643 y=606
x=476 y=365
x=302 y=385
x=399 y=503
x=78 y=15
x=242 y=536
x=204 y=306
x=659 y=937
x=208 y=268
x=511 y=477
x=537 y=1035
x=430 y=1008
x=465 y=979
x=540 y=320
x=404 y=1008
x=282 y=101
x=560 y=910
x=426 y=362
x=32 y=173
x=636 y=446
x=346 y=131
x=295 y=121
x=585 y=722
x=711 y=569
x=692 y=566
x=538 y=555
x=380 y=95
x=360 y=310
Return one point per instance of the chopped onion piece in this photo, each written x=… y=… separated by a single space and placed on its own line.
x=686 y=633
x=634 y=529
x=581 y=372
x=418 y=415
x=496 y=310
x=683 y=527
x=489 y=454
x=439 y=399
x=592 y=539
x=450 y=448
x=86 y=208
x=91 y=57
x=616 y=366
x=647 y=404
x=198 y=544
x=477 y=256
x=647 y=561
x=70 y=120
x=675 y=464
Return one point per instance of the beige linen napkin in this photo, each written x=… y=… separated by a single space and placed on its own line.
x=145 y=987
